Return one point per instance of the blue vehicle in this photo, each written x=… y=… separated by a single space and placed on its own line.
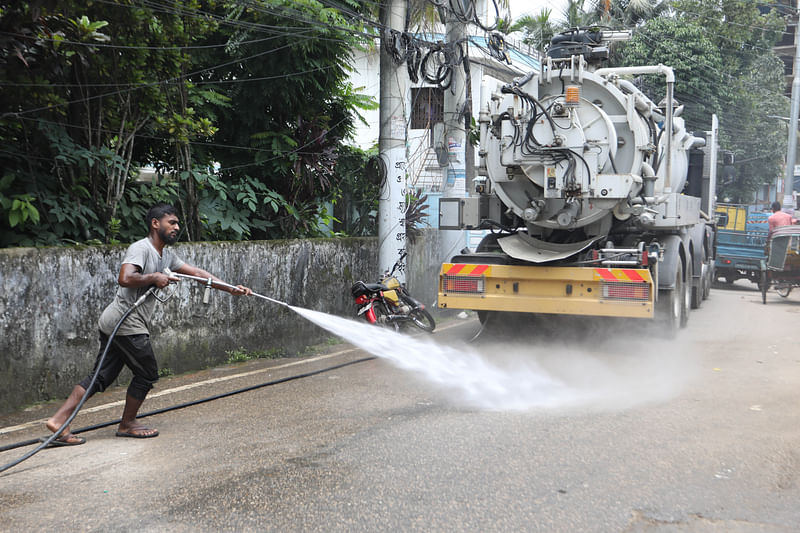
x=741 y=242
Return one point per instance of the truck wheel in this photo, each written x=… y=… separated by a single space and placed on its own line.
x=707 y=277
x=686 y=289
x=697 y=289
x=670 y=304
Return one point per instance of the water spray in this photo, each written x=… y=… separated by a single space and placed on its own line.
x=161 y=296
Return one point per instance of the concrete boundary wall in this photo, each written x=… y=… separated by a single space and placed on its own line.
x=52 y=297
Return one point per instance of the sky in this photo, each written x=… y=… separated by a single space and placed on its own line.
x=522 y=7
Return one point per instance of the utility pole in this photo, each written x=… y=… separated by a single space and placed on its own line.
x=455 y=135
x=712 y=165
x=392 y=143
x=788 y=184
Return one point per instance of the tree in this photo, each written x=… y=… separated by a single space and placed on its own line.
x=537 y=30
x=621 y=14
x=724 y=64
x=241 y=107
x=79 y=107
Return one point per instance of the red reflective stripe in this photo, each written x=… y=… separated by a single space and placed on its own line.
x=633 y=275
x=455 y=269
x=605 y=274
x=480 y=269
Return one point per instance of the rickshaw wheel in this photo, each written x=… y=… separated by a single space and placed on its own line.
x=764 y=286
x=783 y=290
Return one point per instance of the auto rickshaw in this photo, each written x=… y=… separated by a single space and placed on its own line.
x=781 y=269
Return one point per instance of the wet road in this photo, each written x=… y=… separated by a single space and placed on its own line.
x=697 y=434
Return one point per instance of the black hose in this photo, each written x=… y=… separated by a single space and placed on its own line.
x=197 y=402
x=55 y=434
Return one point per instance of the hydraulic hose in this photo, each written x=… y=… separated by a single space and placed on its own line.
x=56 y=434
x=209 y=282
x=196 y=402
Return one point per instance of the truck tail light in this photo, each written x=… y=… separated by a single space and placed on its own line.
x=624 y=290
x=463 y=284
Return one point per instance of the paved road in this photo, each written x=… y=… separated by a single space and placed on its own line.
x=643 y=435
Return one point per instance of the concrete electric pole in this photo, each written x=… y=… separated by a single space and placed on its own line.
x=392 y=143
x=788 y=187
x=455 y=134
x=712 y=142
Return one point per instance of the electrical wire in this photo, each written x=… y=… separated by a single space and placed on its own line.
x=144 y=47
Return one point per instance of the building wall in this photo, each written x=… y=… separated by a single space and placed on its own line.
x=423 y=170
x=51 y=299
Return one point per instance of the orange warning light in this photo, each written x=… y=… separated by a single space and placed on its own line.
x=573 y=95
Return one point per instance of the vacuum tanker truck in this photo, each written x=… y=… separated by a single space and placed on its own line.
x=592 y=193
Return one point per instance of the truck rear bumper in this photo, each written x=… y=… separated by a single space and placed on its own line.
x=612 y=292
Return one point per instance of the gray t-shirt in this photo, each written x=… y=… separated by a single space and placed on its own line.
x=144 y=255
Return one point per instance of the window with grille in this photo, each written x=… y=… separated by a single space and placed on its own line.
x=428 y=107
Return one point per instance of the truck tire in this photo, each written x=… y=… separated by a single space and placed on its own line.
x=687 y=292
x=669 y=314
x=697 y=289
x=707 y=278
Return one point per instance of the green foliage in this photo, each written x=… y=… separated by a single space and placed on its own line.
x=246 y=136
x=724 y=63
x=692 y=55
x=537 y=30
x=416 y=212
x=356 y=191
x=240 y=355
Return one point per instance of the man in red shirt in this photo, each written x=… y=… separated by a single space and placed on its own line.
x=778 y=218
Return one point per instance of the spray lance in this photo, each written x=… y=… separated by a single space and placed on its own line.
x=161 y=295
x=210 y=283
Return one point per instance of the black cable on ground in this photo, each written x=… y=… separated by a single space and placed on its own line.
x=181 y=406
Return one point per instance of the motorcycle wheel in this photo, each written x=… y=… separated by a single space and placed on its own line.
x=422 y=319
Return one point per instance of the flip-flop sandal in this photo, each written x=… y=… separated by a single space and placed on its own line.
x=137 y=435
x=65 y=440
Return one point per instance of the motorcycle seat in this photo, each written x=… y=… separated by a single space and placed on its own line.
x=359 y=288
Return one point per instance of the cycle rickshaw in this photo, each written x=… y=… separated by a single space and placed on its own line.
x=781 y=269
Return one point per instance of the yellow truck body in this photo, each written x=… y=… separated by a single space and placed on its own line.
x=589 y=291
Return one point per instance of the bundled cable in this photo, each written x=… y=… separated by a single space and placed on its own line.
x=497 y=47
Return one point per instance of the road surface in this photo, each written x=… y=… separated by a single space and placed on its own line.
x=641 y=434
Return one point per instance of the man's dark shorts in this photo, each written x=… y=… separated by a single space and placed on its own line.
x=133 y=351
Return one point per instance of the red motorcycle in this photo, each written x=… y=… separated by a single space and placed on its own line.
x=389 y=304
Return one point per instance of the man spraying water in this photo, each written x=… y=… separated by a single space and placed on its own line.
x=142 y=268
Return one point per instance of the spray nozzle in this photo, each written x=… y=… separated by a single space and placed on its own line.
x=207 y=291
x=170 y=274
x=162 y=295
